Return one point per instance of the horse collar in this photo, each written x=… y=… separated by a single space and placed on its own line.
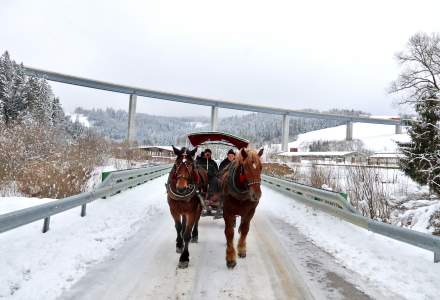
x=232 y=183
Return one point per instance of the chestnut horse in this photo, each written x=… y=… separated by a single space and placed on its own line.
x=185 y=207
x=241 y=193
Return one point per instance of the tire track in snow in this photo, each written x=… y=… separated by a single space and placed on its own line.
x=146 y=267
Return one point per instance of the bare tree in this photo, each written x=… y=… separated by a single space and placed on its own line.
x=420 y=77
x=367 y=193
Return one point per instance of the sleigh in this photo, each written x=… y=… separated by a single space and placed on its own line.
x=219 y=140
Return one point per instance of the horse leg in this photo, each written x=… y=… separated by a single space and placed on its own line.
x=243 y=230
x=184 y=257
x=179 y=228
x=183 y=223
x=195 y=231
x=229 y=233
x=219 y=212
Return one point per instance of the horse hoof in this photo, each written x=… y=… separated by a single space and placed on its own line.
x=194 y=239
x=231 y=264
x=242 y=254
x=183 y=264
x=179 y=249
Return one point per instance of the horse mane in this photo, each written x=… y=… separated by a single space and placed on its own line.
x=252 y=155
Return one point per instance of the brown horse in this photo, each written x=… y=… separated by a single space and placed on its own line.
x=184 y=202
x=241 y=192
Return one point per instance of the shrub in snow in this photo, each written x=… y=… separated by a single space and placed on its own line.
x=367 y=193
x=321 y=176
x=280 y=170
x=45 y=162
x=434 y=223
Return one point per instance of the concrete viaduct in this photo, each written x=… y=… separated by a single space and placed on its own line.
x=133 y=92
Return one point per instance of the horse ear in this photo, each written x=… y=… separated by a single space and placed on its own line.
x=260 y=153
x=243 y=153
x=176 y=151
x=193 y=152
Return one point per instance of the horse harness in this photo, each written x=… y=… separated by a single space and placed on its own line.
x=240 y=194
x=191 y=191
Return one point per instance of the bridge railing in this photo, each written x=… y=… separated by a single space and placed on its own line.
x=114 y=183
x=336 y=205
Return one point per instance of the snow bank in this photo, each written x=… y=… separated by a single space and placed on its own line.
x=40 y=266
x=415 y=214
x=10 y=189
x=376 y=137
x=390 y=265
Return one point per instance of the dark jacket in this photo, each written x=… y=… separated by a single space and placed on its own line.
x=224 y=164
x=209 y=165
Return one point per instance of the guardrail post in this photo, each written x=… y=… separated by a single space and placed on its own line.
x=399 y=129
x=349 y=133
x=132 y=119
x=83 y=210
x=46 y=224
x=214 y=118
x=285 y=134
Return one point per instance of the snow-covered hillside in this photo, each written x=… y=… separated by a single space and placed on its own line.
x=375 y=137
x=83 y=120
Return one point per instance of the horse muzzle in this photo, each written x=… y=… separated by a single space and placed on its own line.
x=255 y=192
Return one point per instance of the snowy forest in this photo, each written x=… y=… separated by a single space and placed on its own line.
x=259 y=128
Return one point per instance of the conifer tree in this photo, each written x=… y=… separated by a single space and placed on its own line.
x=58 y=116
x=422 y=156
x=418 y=83
x=13 y=104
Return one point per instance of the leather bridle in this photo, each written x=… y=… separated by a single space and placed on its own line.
x=244 y=178
x=185 y=163
x=191 y=191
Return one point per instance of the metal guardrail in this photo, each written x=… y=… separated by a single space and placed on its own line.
x=336 y=205
x=116 y=182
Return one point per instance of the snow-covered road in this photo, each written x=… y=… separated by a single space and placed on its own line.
x=124 y=249
x=146 y=268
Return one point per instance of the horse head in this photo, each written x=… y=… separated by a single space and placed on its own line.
x=249 y=162
x=184 y=168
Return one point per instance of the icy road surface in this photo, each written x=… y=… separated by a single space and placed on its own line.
x=124 y=249
x=146 y=267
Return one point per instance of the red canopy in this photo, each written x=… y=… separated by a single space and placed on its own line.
x=199 y=138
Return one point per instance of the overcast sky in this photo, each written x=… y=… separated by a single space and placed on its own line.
x=291 y=54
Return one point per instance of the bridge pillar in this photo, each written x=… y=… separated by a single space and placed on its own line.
x=132 y=119
x=399 y=129
x=214 y=118
x=285 y=134
x=349 y=132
